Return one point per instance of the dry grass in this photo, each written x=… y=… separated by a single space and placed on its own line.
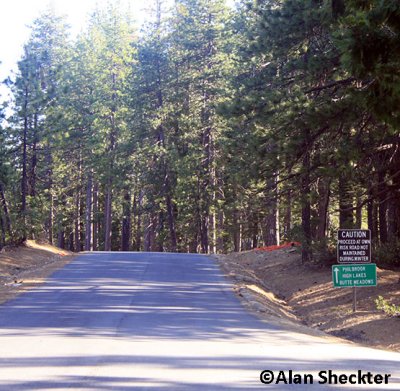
x=24 y=267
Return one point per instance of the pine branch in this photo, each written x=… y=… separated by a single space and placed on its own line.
x=342 y=82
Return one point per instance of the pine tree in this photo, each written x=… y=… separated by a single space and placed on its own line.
x=35 y=90
x=5 y=214
x=152 y=109
x=110 y=36
x=201 y=63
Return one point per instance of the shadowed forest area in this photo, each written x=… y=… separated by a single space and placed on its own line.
x=209 y=129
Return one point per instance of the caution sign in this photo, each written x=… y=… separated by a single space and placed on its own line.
x=354 y=246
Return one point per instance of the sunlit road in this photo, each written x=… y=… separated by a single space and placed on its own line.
x=140 y=321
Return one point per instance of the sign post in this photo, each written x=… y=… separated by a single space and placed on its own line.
x=354 y=257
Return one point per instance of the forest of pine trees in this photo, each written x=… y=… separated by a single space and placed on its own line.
x=210 y=129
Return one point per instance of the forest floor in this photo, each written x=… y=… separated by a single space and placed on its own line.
x=276 y=285
x=26 y=266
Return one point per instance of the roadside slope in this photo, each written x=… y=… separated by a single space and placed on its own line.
x=276 y=284
x=28 y=265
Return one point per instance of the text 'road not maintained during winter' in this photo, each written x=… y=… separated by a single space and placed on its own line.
x=327 y=377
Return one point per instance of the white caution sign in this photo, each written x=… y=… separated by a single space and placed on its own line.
x=354 y=246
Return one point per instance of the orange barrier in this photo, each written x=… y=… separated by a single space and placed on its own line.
x=278 y=247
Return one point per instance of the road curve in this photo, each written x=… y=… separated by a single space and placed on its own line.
x=157 y=321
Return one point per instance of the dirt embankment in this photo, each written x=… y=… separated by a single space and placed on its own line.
x=276 y=284
x=24 y=267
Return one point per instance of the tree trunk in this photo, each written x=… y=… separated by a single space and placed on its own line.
x=237 y=231
x=150 y=233
x=392 y=217
x=112 y=141
x=254 y=230
x=372 y=215
x=32 y=174
x=95 y=216
x=88 y=215
x=24 y=178
x=382 y=191
x=61 y=239
x=204 y=234
x=71 y=241
x=49 y=173
x=5 y=224
x=306 y=251
x=193 y=238
x=203 y=189
x=323 y=204
x=147 y=234
x=221 y=229
x=108 y=216
x=61 y=234
x=375 y=220
x=77 y=225
x=159 y=242
x=6 y=214
x=137 y=213
x=51 y=218
x=271 y=224
x=126 y=222
x=3 y=232
x=394 y=213
x=171 y=221
x=288 y=225
x=346 y=219
x=213 y=211
x=358 y=222
x=271 y=220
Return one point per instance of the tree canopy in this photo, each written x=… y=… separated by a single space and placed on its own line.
x=210 y=129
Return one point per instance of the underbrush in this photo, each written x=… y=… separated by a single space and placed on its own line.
x=324 y=253
x=386 y=307
x=388 y=254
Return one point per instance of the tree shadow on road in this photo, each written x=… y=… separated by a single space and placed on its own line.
x=136 y=373
x=132 y=297
x=135 y=317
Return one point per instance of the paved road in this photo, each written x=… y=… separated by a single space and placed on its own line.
x=139 y=321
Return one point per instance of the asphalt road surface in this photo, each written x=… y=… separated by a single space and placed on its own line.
x=151 y=321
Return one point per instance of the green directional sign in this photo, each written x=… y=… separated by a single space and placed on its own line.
x=354 y=275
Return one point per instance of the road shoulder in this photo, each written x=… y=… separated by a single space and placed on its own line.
x=277 y=287
x=29 y=265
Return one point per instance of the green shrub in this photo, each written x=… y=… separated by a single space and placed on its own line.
x=386 y=307
x=388 y=253
x=324 y=252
